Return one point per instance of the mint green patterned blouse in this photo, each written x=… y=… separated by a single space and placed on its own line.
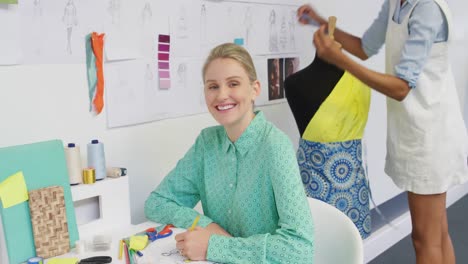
x=252 y=188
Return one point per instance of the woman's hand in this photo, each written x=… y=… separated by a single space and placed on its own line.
x=327 y=48
x=306 y=13
x=193 y=244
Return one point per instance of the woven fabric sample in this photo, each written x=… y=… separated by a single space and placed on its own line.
x=49 y=221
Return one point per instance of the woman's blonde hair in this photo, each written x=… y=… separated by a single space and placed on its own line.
x=235 y=52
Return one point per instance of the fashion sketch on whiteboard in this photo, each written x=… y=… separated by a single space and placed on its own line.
x=182 y=74
x=248 y=23
x=150 y=92
x=273 y=32
x=203 y=25
x=182 y=26
x=146 y=14
x=70 y=20
x=37 y=8
x=114 y=11
x=283 y=38
x=292 y=30
x=37 y=26
x=149 y=77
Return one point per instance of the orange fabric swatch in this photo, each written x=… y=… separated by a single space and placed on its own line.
x=98 y=50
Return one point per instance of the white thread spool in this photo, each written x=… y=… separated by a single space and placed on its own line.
x=72 y=155
x=96 y=158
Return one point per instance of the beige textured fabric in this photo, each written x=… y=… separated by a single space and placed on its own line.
x=49 y=221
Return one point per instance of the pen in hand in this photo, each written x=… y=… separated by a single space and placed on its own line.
x=194 y=224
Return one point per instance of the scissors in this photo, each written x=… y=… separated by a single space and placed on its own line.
x=153 y=234
x=96 y=260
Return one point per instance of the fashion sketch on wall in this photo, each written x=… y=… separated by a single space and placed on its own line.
x=70 y=20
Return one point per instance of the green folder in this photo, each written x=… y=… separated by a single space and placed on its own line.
x=43 y=164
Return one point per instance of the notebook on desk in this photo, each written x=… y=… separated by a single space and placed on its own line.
x=43 y=164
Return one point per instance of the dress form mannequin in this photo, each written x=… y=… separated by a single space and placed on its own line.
x=308 y=88
x=330 y=107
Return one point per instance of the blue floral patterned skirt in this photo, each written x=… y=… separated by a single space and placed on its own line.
x=334 y=173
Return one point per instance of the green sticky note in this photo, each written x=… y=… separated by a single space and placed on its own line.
x=13 y=190
x=8 y=1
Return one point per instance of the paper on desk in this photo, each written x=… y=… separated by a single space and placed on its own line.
x=13 y=190
x=153 y=253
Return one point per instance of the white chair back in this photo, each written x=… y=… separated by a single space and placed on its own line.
x=336 y=238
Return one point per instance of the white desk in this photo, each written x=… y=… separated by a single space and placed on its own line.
x=151 y=255
x=112 y=198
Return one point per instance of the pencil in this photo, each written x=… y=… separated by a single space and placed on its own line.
x=127 y=257
x=120 y=249
x=194 y=223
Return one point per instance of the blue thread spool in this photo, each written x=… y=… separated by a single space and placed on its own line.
x=96 y=159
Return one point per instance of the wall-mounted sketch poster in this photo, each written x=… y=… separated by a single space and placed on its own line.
x=219 y=23
x=275 y=79
x=185 y=29
x=238 y=20
x=247 y=25
x=273 y=31
x=54 y=31
x=153 y=21
x=10 y=52
x=114 y=10
x=291 y=65
x=135 y=96
x=274 y=28
x=291 y=31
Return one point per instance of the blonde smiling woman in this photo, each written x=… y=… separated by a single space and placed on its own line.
x=245 y=174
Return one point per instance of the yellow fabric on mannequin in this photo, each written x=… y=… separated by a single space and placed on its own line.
x=343 y=115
